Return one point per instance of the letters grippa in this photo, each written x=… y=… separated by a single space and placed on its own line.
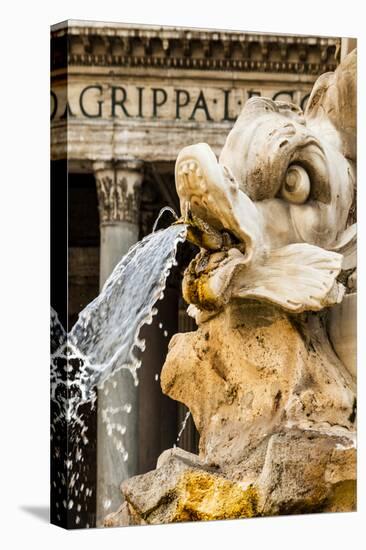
x=124 y=102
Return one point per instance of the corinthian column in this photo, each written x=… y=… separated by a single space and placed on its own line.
x=118 y=189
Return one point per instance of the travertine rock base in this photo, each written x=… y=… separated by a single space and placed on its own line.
x=183 y=488
x=275 y=409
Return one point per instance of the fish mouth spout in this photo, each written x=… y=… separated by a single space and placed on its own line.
x=206 y=236
x=222 y=221
x=219 y=215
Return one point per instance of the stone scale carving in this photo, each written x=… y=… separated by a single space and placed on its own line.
x=272 y=399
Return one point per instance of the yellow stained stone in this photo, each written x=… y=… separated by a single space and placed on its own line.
x=204 y=496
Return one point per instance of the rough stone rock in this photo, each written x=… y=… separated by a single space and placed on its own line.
x=306 y=471
x=295 y=472
x=276 y=424
x=262 y=372
x=124 y=516
x=182 y=488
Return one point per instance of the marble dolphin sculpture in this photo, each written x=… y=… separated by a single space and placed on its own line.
x=274 y=405
x=274 y=216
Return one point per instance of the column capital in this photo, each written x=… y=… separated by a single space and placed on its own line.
x=119 y=190
x=128 y=164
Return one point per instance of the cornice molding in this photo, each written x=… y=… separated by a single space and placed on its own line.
x=110 y=45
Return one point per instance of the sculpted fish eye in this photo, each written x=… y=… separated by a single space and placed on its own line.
x=296 y=187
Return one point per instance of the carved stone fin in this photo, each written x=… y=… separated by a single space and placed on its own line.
x=297 y=277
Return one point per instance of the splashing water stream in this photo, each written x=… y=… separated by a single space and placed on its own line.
x=162 y=211
x=104 y=339
x=182 y=428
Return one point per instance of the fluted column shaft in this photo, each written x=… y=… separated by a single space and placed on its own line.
x=119 y=190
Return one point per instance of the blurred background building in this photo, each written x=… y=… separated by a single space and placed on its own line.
x=124 y=100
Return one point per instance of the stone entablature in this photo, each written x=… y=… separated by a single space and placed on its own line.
x=150 y=114
x=128 y=91
x=116 y=44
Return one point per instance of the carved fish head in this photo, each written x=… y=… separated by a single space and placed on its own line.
x=277 y=204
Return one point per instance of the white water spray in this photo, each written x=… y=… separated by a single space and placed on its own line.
x=104 y=340
x=160 y=215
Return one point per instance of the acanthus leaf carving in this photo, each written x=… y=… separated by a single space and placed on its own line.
x=119 y=194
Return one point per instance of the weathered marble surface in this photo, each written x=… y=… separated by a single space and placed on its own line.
x=282 y=195
x=271 y=394
x=342 y=330
x=276 y=423
x=183 y=488
x=252 y=371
